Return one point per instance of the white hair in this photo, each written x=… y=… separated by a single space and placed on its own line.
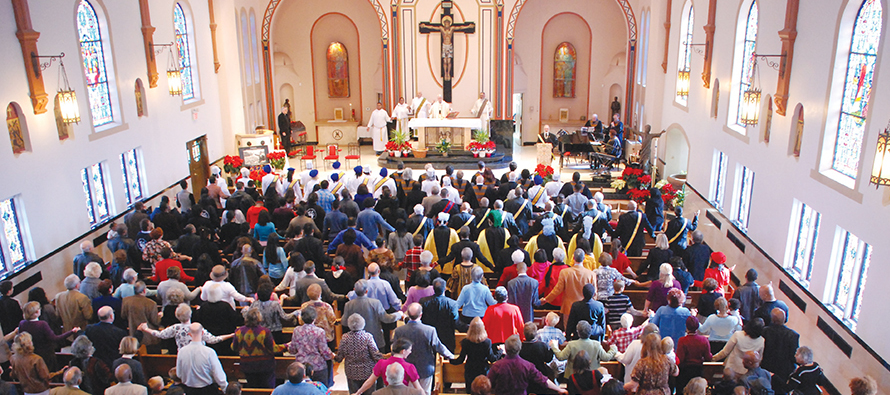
x=559 y=254
x=627 y=320
x=93 y=270
x=426 y=257
x=418 y=209
x=518 y=256
x=72 y=281
x=129 y=275
x=395 y=373
x=598 y=196
x=86 y=246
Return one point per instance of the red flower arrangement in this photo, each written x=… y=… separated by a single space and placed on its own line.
x=394 y=146
x=232 y=164
x=545 y=171
x=257 y=174
x=276 y=158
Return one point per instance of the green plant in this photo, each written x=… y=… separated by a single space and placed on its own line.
x=481 y=136
x=444 y=146
x=400 y=137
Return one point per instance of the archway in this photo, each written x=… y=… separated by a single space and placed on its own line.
x=673 y=152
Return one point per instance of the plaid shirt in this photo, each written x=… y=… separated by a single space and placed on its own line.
x=622 y=337
x=325 y=199
x=548 y=333
x=412 y=261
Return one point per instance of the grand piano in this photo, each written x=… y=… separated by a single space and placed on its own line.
x=583 y=146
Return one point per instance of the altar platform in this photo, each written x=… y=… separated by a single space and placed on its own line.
x=460 y=159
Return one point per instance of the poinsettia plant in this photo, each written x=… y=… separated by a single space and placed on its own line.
x=257 y=173
x=276 y=159
x=545 y=171
x=233 y=164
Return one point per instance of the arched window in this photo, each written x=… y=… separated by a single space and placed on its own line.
x=245 y=45
x=338 y=70
x=564 y=71
x=254 y=48
x=95 y=59
x=184 y=49
x=684 y=60
x=647 y=15
x=857 y=89
x=746 y=46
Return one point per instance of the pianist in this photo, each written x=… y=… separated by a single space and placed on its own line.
x=613 y=147
x=547 y=137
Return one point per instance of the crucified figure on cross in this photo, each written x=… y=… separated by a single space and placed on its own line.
x=447 y=29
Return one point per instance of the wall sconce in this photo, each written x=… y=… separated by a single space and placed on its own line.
x=750 y=105
x=880 y=173
x=683 y=83
x=174 y=74
x=67 y=97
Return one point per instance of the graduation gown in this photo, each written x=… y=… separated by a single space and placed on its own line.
x=596 y=245
x=491 y=241
x=440 y=241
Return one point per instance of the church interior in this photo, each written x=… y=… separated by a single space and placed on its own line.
x=767 y=108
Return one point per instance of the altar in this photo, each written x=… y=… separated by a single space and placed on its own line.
x=459 y=130
x=336 y=132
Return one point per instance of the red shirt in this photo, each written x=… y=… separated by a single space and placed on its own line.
x=721 y=274
x=501 y=321
x=509 y=274
x=620 y=263
x=253 y=214
x=160 y=271
x=412 y=261
x=410 y=370
x=544 y=289
x=693 y=349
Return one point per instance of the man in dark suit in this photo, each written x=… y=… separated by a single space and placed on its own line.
x=311 y=247
x=440 y=312
x=780 y=345
x=521 y=210
x=590 y=310
x=697 y=256
x=105 y=336
x=569 y=188
x=284 y=129
x=426 y=346
x=630 y=230
x=10 y=309
x=678 y=229
x=523 y=292
x=453 y=256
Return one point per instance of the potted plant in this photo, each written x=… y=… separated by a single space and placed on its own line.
x=545 y=171
x=398 y=144
x=443 y=147
x=232 y=164
x=489 y=148
x=475 y=147
x=276 y=159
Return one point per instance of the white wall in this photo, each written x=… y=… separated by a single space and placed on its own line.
x=781 y=177
x=47 y=179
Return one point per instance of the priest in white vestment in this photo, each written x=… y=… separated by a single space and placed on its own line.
x=377 y=127
x=400 y=114
x=482 y=109
x=420 y=106
x=440 y=109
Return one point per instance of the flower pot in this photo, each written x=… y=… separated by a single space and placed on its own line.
x=444 y=154
x=475 y=154
x=406 y=153
x=398 y=154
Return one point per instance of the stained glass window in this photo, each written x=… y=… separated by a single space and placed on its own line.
x=131 y=175
x=99 y=191
x=845 y=289
x=746 y=190
x=719 y=172
x=857 y=88
x=564 y=70
x=338 y=70
x=94 y=68
x=746 y=78
x=684 y=61
x=803 y=243
x=12 y=234
x=185 y=59
x=254 y=48
x=88 y=195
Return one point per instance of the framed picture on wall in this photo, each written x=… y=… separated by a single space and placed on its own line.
x=563 y=115
x=254 y=156
x=338 y=114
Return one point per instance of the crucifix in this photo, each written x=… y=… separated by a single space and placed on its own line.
x=447 y=28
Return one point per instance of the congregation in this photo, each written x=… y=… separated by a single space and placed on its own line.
x=529 y=285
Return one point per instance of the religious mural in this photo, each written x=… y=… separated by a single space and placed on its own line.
x=140 y=98
x=338 y=71
x=564 y=71
x=768 y=125
x=13 y=123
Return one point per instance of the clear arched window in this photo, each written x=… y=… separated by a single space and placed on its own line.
x=684 y=59
x=184 y=49
x=245 y=45
x=857 y=88
x=95 y=58
x=745 y=57
x=254 y=48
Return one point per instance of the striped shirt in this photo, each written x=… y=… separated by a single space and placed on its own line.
x=616 y=305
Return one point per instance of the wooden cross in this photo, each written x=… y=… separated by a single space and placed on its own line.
x=447 y=28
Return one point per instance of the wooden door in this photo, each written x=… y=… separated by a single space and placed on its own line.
x=199 y=166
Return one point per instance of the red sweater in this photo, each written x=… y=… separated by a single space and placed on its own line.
x=161 y=271
x=693 y=349
x=510 y=273
x=253 y=214
x=501 y=321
